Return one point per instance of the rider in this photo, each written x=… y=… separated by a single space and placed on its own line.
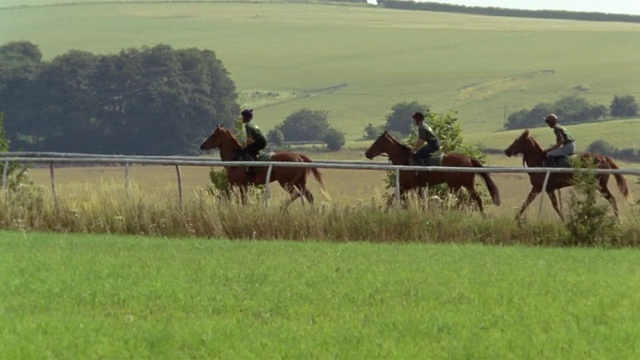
x=565 y=142
x=256 y=141
x=425 y=135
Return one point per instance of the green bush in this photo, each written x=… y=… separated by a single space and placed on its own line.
x=590 y=223
x=334 y=139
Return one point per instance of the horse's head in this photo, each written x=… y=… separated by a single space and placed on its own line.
x=384 y=144
x=379 y=146
x=523 y=144
x=214 y=140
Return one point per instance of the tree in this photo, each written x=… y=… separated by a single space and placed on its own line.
x=601 y=147
x=305 y=125
x=151 y=100
x=372 y=132
x=624 y=106
x=399 y=120
x=275 y=137
x=20 y=63
x=334 y=139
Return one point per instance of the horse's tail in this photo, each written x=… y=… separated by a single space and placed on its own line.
x=316 y=174
x=493 y=189
x=620 y=180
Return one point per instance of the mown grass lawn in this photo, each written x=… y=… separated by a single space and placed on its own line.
x=101 y=296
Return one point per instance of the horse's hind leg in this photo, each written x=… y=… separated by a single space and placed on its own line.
x=307 y=194
x=607 y=195
x=291 y=189
x=554 y=203
x=475 y=196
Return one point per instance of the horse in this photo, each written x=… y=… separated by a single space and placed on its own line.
x=534 y=156
x=399 y=154
x=291 y=179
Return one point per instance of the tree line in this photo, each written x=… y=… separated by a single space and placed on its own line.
x=606 y=148
x=573 y=110
x=493 y=11
x=148 y=100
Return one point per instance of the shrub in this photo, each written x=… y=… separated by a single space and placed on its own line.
x=590 y=223
x=334 y=139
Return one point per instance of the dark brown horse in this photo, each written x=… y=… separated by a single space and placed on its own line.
x=534 y=156
x=399 y=154
x=292 y=179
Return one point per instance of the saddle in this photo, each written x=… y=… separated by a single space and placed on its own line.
x=560 y=161
x=434 y=159
x=261 y=157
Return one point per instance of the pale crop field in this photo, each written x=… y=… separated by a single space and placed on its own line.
x=355 y=61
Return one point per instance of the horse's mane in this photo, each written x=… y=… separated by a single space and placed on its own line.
x=403 y=146
x=231 y=136
x=535 y=143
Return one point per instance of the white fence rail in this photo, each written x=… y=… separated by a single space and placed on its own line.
x=53 y=158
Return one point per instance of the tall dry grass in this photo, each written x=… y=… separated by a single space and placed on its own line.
x=106 y=208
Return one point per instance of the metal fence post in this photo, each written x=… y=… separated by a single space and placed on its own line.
x=126 y=179
x=267 y=180
x=179 y=185
x=4 y=175
x=53 y=185
x=544 y=191
x=398 y=186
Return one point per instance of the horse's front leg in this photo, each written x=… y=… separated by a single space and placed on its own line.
x=532 y=195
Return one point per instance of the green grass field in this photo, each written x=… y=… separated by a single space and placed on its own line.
x=306 y=53
x=86 y=296
x=620 y=133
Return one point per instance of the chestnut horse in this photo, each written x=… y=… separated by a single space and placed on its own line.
x=534 y=156
x=292 y=179
x=399 y=154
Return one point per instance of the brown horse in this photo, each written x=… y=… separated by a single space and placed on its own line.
x=292 y=179
x=534 y=156
x=411 y=180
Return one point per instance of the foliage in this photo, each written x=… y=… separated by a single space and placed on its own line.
x=275 y=137
x=334 y=139
x=497 y=11
x=372 y=132
x=16 y=172
x=305 y=125
x=624 y=106
x=589 y=224
x=606 y=148
x=107 y=103
x=399 y=120
x=570 y=110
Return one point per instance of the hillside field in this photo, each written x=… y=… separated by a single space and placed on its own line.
x=356 y=61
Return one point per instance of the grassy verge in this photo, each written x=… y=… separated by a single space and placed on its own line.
x=107 y=209
x=106 y=296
